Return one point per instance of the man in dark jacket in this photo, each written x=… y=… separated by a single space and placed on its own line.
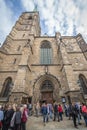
x=8 y=113
x=74 y=114
x=56 y=113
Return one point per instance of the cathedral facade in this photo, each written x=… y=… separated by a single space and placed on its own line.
x=42 y=68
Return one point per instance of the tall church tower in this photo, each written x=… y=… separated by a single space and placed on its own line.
x=16 y=51
x=28 y=26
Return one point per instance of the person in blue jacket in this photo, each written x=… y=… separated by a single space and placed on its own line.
x=44 y=112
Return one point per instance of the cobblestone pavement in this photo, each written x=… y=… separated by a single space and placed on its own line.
x=35 y=123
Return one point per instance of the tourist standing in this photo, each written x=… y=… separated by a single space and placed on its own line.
x=70 y=111
x=66 y=110
x=30 y=109
x=37 y=109
x=56 y=113
x=74 y=114
x=60 y=110
x=84 y=112
x=17 y=125
x=24 y=117
x=8 y=113
x=77 y=106
x=44 y=112
x=50 y=107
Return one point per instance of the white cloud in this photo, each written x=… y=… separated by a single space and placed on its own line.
x=65 y=16
x=28 y=4
x=5 y=20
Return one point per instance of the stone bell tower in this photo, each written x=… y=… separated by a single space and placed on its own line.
x=26 y=28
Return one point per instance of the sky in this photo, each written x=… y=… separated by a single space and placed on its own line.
x=69 y=17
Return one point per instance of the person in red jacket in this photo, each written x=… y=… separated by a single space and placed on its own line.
x=60 y=110
x=84 y=113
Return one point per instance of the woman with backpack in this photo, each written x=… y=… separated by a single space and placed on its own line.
x=24 y=117
x=17 y=119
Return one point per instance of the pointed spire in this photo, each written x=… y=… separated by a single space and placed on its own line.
x=35 y=8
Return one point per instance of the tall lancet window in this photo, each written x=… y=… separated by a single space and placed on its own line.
x=45 y=53
x=6 y=87
x=83 y=82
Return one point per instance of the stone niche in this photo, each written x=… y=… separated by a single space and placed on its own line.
x=17 y=97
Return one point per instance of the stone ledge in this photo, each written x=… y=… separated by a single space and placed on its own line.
x=3 y=99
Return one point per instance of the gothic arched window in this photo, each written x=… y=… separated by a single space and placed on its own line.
x=45 y=53
x=83 y=82
x=47 y=86
x=6 y=87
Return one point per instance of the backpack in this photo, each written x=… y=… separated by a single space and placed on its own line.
x=24 y=118
x=12 y=122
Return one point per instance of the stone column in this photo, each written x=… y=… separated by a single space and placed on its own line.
x=71 y=89
x=20 y=87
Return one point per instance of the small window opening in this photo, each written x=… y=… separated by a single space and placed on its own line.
x=18 y=48
x=14 y=61
x=23 y=35
x=30 y=17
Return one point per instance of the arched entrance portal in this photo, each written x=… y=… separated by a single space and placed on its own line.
x=46 y=87
x=47 y=91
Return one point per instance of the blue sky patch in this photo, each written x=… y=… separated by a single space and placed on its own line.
x=65 y=16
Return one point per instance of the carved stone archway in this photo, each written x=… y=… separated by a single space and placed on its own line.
x=46 y=91
x=39 y=82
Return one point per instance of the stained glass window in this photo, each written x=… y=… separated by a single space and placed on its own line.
x=47 y=85
x=46 y=53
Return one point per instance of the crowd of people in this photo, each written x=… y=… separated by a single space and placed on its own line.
x=14 y=117
x=74 y=111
